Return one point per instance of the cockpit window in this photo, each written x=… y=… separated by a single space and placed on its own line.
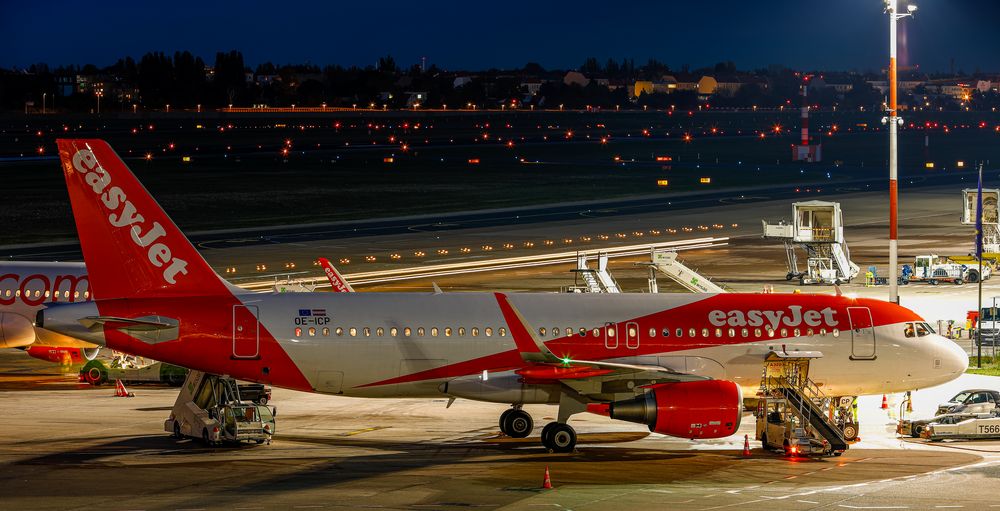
x=923 y=329
x=960 y=397
x=908 y=330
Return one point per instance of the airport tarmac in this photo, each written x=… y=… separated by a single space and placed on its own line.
x=74 y=447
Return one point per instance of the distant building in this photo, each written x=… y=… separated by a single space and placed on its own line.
x=461 y=81
x=707 y=85
x=642 y=87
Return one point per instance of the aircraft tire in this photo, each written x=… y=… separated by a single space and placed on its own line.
x=562 y=437
x=503 y=421
x=518 y=424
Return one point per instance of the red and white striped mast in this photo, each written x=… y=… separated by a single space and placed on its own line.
x=893 y=121
x=805 y=111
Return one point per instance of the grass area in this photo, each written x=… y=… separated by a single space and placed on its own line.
x=336 y=169
x=990 y=367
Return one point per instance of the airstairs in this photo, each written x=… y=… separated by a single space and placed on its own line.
x=597 y=280
x=786 y=388
x=818 y=228
x=666 y=262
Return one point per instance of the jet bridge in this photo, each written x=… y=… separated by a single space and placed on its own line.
x=818 y=228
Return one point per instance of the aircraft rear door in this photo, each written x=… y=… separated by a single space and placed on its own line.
x=246 y=332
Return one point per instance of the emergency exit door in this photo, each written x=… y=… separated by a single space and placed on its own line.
x=246 y=332
x=862 y=333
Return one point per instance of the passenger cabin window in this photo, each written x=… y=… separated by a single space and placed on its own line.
x=353 y=331
x=652 y=332
x=298 y=332
x=340 y=331
x=555 y=331
x=583 y=332
x=407 y=331
x=475 y=332
x=434 y=331
x=835 y=332
x=420 y=331
x=502 y=331
x=541 y=331
x=380 y=331
x=367 y=331
x=745 y=332
x=488 y=332
x=461 y=331
x=680 y=332
x=692 y=332
x=447 y=331
x=326 y=331
x=312 y=331
x=393 y=332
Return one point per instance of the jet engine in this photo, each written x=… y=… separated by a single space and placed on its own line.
x=16 y=331
x=693 y=409
x=62 y=355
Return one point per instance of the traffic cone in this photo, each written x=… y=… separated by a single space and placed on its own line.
x=120 y=390
x=547 y=482
x=746 y=445
x=885 y=402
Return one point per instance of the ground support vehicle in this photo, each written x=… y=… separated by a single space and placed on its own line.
x=792 y=414
x=99 y=372
x=980 y=426
x=935 y=269
x=914 y=428
x=209 y=407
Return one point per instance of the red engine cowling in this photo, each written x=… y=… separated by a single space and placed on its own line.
x=694 y=409
x=63 y=356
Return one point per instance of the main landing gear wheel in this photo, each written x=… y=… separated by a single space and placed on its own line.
x=559 y=437
x=516 y=423
x=503 y=420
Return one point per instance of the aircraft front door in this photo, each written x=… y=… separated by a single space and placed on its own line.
x=862 y=333
x=246 y=332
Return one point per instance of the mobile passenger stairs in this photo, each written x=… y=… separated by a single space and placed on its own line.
x=666 y=262
x=597 y=280
x=818 y=227
x=792 y=413
x=212 y=408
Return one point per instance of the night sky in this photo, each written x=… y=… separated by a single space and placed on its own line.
x=802 y=34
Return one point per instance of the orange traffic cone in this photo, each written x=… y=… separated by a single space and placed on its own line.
x=547 y=482
x=120 y=390
x=746 y=445
x=885 y=402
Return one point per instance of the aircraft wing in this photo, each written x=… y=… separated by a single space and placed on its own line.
x=585 y=376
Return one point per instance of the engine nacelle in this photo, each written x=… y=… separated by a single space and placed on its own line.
x=694 y=409
x=16 y=331
x=63 y=356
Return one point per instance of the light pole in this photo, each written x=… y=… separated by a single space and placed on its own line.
x=894 y=121
x=43 y=102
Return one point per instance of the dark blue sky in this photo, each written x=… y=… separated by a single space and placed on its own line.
x=803 y=34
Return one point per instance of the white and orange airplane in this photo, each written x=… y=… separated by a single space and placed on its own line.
x=24 y=289
x=679 y=363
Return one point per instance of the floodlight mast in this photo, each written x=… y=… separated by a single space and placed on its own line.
x=894 y=122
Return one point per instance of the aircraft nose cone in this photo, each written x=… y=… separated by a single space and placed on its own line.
x=954 y=359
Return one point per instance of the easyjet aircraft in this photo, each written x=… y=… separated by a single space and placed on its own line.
x=678 y=363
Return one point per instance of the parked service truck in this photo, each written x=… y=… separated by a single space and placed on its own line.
x=935 y=269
